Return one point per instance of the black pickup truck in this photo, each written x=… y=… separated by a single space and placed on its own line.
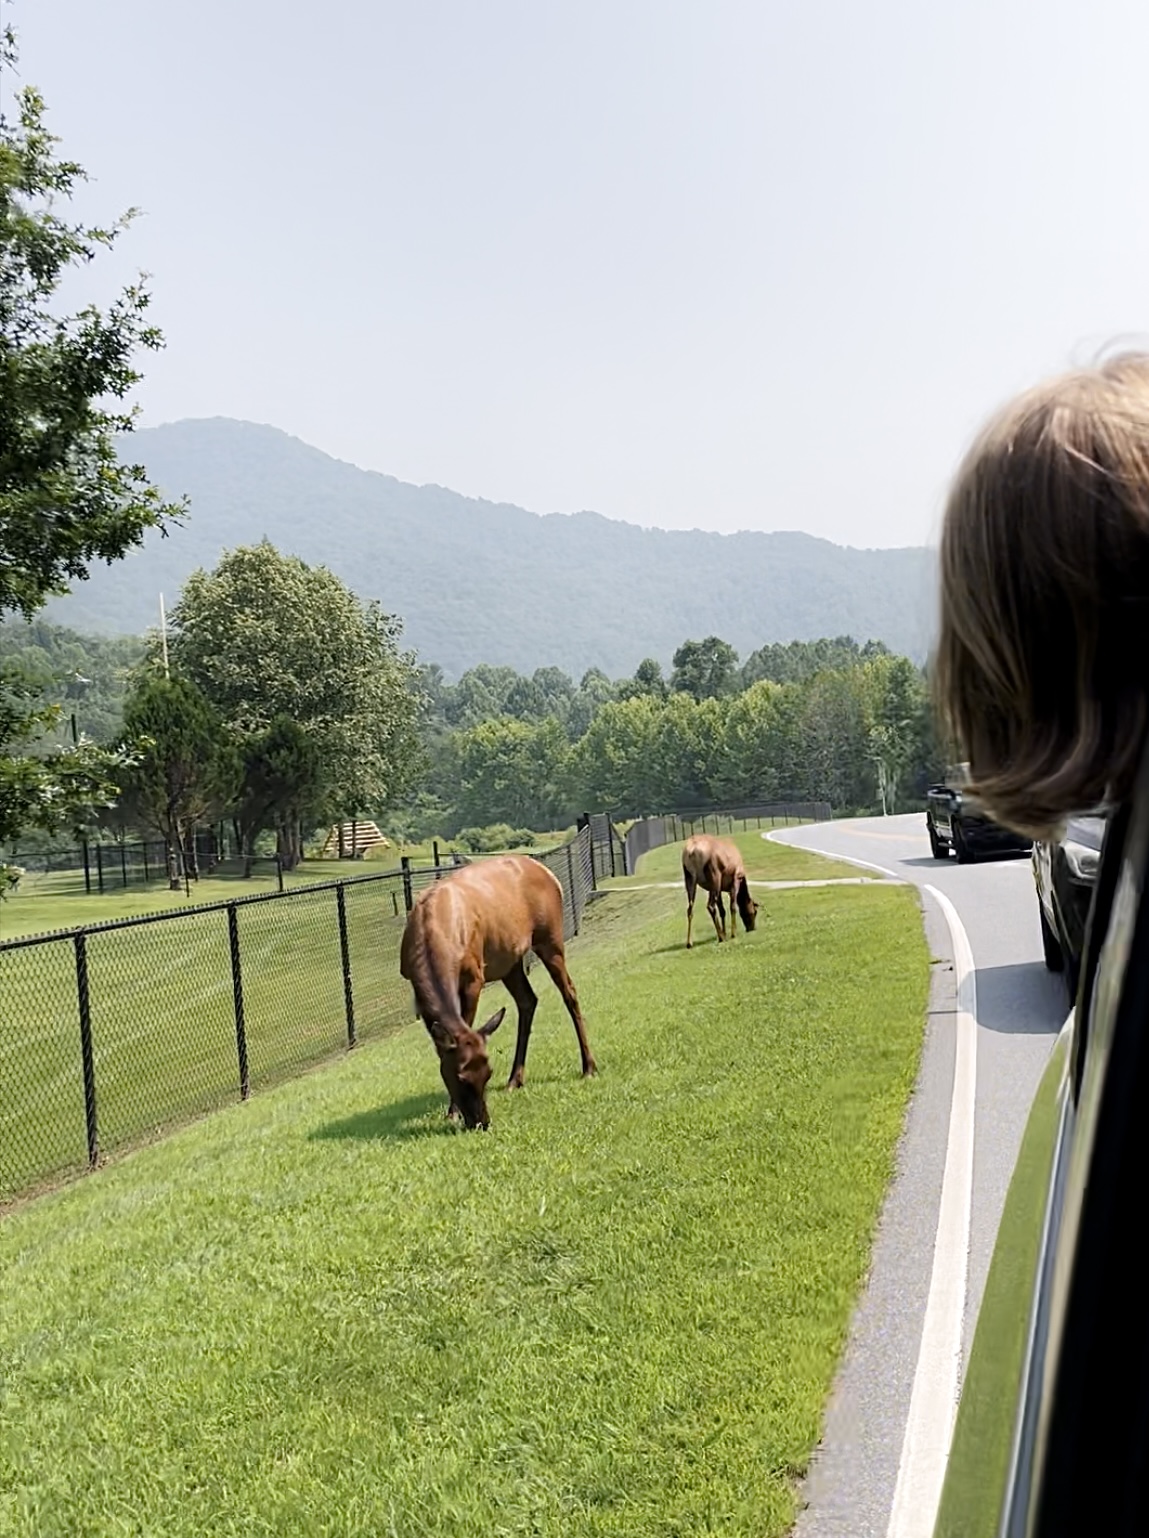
x=955 y=820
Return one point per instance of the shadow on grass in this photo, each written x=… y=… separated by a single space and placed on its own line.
x=416 y=1116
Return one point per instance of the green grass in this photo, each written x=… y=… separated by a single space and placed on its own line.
x=617 y=1313
x=48 y=903
x=764 y=861
x=58 y=900
x=163 y=1018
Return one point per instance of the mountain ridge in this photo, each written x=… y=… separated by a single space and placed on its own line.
x=476 y=580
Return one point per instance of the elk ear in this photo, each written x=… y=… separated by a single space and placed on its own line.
x=441 y=1036
x=493 y=1023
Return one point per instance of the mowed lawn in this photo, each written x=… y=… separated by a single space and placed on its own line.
x=326 y=1312
x=764 y=860
x=163 y=1018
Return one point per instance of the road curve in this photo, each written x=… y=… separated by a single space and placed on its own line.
x=1020 y=1008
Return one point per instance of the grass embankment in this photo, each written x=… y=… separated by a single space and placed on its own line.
x=617 y=1313
x=764 y=860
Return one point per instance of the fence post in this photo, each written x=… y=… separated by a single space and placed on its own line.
x=345 y=959
x=571 y=882
x=408 y=898
x=144 y=852
x=435 y=851
x=99 y=868
x=237 y=995
x=279 y=869
x=124 y=864
x=87 y=1057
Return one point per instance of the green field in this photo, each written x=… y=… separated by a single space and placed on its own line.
x=45 y=903
x=763 y=859
x=326 y=1312
x=163 y=1018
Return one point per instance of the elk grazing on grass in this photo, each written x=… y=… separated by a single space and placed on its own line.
x=475 y=927
x=716 y=864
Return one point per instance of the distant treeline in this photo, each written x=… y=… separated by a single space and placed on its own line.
x=809 y=720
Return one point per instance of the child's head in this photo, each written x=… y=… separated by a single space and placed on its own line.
x=1042 y=664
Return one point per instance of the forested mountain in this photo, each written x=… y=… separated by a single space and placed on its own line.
x=477 y=581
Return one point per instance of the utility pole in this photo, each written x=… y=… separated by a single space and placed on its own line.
x=164 y=637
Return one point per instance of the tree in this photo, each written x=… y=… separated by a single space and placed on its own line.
x=510 y=771
x=705 y=670
x=594 y=691
x=895 y=703
x=480 y=695
x=833 y=741
x=796 y=662
x=187 y=768
x=283 y=784
x=754 y=745
x=66 y=500
x=612 y=765
x=647 y=680
x=266 y=635
x=49 y=790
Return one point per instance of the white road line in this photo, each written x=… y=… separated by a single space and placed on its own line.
x=848 y=859
x=933 y=1402
x=937 y=1377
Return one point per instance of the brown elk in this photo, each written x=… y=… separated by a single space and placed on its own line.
x=475 y=927
x=716 y=864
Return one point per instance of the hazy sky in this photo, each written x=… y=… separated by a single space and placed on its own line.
x=720 y=265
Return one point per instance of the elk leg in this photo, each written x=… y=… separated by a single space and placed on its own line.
x=717 y=912
x=526 y=1002
x=554 y=959
x=691 y=889
x=469 y=990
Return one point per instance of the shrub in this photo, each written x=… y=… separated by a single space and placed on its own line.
x=498 y=835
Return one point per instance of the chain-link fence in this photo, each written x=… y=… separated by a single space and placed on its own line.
x=116 y=1032
x=652 y=832
x=109 y=867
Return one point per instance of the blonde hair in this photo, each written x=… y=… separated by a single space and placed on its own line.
x=1041 y=666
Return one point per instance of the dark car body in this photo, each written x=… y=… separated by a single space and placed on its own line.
x=1052 y=1433
x=956 y=820
x=1065 y=873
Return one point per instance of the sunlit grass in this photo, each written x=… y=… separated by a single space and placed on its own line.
x=617 y=1313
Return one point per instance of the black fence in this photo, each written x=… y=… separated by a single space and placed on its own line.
x=109 y=867
x=652 y=832
x=115 y=1032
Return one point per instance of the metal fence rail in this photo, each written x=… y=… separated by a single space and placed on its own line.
x=116 y=1031
x=652 y=832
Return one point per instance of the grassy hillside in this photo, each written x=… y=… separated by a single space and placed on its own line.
x=326 y=1313
x=480 y=581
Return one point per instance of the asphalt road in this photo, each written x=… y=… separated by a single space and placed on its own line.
x=1020 y=1009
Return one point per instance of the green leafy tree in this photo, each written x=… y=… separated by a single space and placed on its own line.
x=647 y=680
x=833 y=741
x=66 y=499
x=187 y=767
x=47 y=789
x=480 y=695
x=706 y=669
x=594 y=691
x=796 y=662
x=265 y=635
x=283 y=786
x=756 y=752
x=613 y=763
x=510 y=771
x=895 y=697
